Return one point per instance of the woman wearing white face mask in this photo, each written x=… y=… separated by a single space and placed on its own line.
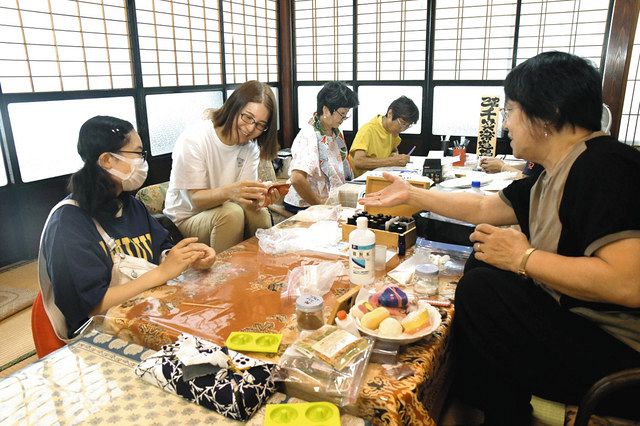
x=76 y=273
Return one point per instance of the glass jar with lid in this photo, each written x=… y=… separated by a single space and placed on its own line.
x=309 y=312
x=425 y=280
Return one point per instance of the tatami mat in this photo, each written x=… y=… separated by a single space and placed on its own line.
x=15 y=335
x=16 y=343
x=23 y=275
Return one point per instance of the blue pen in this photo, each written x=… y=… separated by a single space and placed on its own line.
x=411 y=150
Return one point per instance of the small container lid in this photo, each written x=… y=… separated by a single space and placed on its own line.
x=427 y=269
x=475 y=184
x=362 y=222
x=309 y=303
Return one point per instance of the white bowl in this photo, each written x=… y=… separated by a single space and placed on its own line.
x=404 y=338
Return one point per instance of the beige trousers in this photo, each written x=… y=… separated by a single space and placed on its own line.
x=226 y=225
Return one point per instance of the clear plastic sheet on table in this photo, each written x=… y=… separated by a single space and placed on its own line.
x=276 y=240
x=310 y=378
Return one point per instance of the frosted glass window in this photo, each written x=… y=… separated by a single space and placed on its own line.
x=323 y=40
x=250 y=40
x=179 y=42
x=375 y=100
x=170 y=113
x=47 y=147
x=392 y=39
x=3 y=170
x=456 y=109
x=63 y=46
x=473 y=39
x=307 y=104
x=573 y=26
x=629 y=123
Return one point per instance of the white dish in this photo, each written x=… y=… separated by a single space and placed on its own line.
x=405 y=339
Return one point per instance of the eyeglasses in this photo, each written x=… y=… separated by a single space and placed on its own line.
x=344 y=116
x=404 y=125
x=505 y=113
x=141 y=154
x=247 y=118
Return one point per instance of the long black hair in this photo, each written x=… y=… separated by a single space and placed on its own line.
x=91 y=186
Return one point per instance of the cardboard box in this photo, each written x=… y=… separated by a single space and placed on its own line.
x=389 y=239
x=375 y=183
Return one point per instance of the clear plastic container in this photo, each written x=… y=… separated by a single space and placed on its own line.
x=425 y=280
x=309 y=312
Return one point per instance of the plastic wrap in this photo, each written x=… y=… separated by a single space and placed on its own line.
x=449 y=258
x=319 y=213
x=312 y=279
x=275 y=240
x=307 y=376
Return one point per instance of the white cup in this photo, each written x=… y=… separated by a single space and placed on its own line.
x=380 y=257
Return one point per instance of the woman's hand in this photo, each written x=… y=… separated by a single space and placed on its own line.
x=273 y=196
x=491 y=164
x=400 y=159
x=500 y=247
x=180 y=257
x=247 y=193
x=396 y=193
x=208 y=256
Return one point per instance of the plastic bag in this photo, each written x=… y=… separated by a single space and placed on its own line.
x=308 y=377
x=275 y=240
x=449 y=258
x=319 y=212
x=312 y=279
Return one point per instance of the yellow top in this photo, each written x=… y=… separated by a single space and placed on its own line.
x=374 y=140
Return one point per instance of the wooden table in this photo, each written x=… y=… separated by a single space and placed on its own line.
x=242 y=293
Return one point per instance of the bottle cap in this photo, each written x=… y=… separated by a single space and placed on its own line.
x=341 y=315
x=309 y=303
x=427 y=269
x=475 y=184
x=362 y=222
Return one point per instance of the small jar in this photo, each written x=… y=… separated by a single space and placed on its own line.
x=309 y=312
x=425 y=280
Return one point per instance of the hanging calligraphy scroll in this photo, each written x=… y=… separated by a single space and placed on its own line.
x=489 y=110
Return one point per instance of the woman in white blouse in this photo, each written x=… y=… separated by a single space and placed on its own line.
x=319 y=164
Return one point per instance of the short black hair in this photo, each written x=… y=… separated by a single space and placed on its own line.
x=558 y=88
x=405 y=109
x=334 y=95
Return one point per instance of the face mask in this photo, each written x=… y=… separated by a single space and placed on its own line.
x=136 y=177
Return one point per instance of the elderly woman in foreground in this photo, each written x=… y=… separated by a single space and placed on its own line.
x=552 y=309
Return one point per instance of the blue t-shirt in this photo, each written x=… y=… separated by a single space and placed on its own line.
x=78 y=260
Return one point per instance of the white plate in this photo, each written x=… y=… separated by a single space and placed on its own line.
x=405 y=339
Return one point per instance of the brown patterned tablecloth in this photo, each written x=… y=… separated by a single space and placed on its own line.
x=242 y=292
